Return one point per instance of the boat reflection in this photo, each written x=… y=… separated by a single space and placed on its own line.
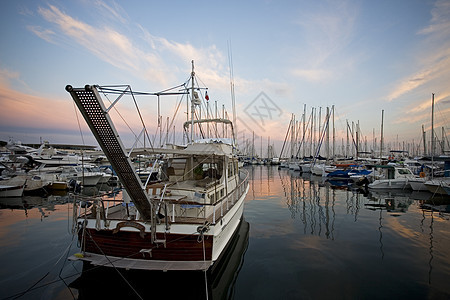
x=26 y=203
x=394 y=202
x=217 y=283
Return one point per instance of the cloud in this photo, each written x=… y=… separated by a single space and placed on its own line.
x=312 y=74
x=434 y=61
x=123 y=52
x=326 y=33
x=410 y=84
x=45 y=34
x=25 y=110
x=114 y=12
x=7 y=75
x=440 y=21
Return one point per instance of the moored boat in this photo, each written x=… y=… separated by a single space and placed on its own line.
x=392 y=177
x=183 y=222
x=11 y=190
x=418 y=183
x=438 y=185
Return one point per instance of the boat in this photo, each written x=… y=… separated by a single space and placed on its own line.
x=183 y=222
x=391 y=177
x=11 y=190
x=218 y=282
x=447 y=189
x=12 y=187
x=418 y=183
x=79 y=173
x=438 y=185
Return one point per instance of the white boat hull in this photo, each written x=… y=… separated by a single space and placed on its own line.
x=418 y=184
x=400 y=183
x=11 y=191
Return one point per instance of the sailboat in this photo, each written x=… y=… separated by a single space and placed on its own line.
x=183 y=222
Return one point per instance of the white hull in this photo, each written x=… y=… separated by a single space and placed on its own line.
x=294 y=166
x=436 y=186
x=400 y=183
x=221 y=232
x=306 y=168
x=11 y=191
x=87 y=180
x=418 y=184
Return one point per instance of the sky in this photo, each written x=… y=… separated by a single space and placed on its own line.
x=362 y=57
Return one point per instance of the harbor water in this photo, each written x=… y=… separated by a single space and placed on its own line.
x=302 y=238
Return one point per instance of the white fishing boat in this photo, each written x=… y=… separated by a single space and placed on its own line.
x=183 y=222
x=391 y=177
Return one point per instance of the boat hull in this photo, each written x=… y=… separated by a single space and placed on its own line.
x=390 y=184
x=11 y=191
x=181 y=247
x=418 y=184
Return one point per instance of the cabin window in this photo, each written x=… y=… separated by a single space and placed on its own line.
x=403 y=171
x=211 y=197
x=391 y=174
x=230 y=170
x=221 y=193
x=198 y=171
x=212 y=170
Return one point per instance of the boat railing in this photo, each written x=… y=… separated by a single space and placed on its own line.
x=219 y=208
x=103 y=207
x=231 y=198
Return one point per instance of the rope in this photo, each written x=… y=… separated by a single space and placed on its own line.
x=78 y=121
x=32 y=287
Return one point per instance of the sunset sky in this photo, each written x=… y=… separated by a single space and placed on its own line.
x=360 y=56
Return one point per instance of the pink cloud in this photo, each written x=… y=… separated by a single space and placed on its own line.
x=24 y=110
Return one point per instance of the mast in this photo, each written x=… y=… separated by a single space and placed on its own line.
x=432 y=126
x=253 y=145
x=424 y=140
x=304 y=130
x=381 y=140
x=347 y=148
x=334 y=133
x=192 y=102
x=432 y=135
x=357 y=140
x=311 y=132
x=292 y=137
x=328 y=134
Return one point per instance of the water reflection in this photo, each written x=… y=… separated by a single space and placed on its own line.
x=315 y=201
x=311 y=200
x=217 y=283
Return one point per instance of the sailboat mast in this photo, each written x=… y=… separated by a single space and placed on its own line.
x=328 y=134
x=192 y=102
x=432 y=126
x=424 y=140
x=432 y=135
x=334 y=134
x=381 y=141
